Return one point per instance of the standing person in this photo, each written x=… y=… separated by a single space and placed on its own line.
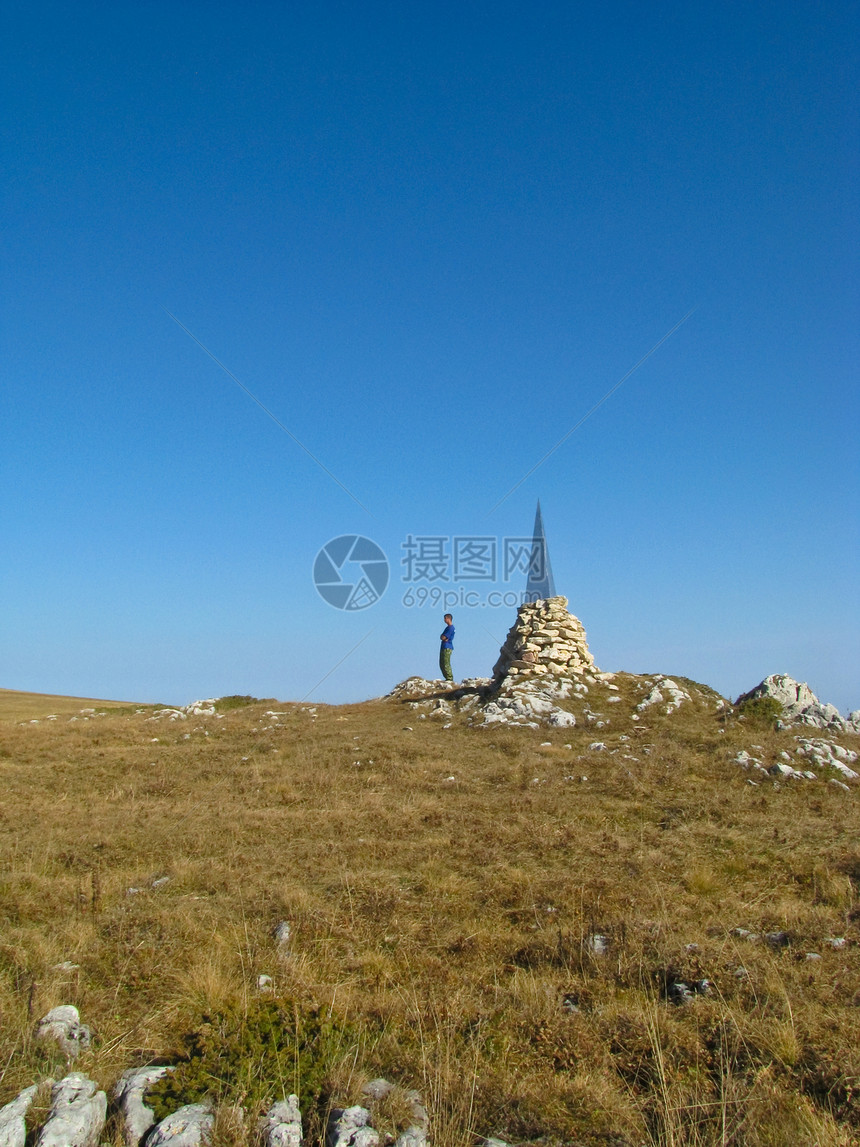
x=447 y=639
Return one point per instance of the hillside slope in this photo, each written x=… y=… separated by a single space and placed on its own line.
x=624 y=930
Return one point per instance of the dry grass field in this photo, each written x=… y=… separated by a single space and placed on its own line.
x=444 y=888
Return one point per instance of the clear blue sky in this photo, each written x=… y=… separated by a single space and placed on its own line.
x=429 y=239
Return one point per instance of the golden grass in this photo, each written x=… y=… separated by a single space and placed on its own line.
x=448 y=922
x=16 y=705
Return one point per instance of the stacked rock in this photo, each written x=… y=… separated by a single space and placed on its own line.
x=545 y=638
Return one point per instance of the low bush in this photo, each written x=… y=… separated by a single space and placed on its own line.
x=764 y=711
x=255 y=1056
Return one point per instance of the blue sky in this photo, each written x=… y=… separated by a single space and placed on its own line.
x=428 y=239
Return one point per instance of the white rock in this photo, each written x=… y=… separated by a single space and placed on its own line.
x=350 y=1127
x=282 y=1124
x=61 y=1025
x=13 y=1127
x=78 y=1113
x=128 y=1094
x=664 y=687
x=414 y=1136
x=377 y=1088
x=190 y=1126
x=783 y=770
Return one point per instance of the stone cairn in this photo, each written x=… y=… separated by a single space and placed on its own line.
x=545 y=638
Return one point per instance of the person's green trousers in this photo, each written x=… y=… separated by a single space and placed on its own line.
x=445 y=664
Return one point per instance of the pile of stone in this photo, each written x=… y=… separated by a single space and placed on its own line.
x=545 y=638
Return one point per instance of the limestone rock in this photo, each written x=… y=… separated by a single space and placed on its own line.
x=78 y=1112
x=827 y=754
x=13 y=1129
x=62 y=1025
x=350 y=1127
x=665 y=691
x=800 y=705
x=281 y=1126
x=528 y=701
x=377 y=1088
x=128 y=1095
x=190 y=1126
x=414 y=1136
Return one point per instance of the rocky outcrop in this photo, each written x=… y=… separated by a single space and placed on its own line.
x=530 y=701
x=800 y=706
x=545 y=638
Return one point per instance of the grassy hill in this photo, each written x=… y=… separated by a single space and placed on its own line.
x=497 y=917
x=19 y=706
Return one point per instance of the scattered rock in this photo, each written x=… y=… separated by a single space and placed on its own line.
x=128 y=1095
x=597 y=943
x=281 y=1126
x=78 y=1113
x=13 y=1127
x=827 y=754
x=684 y=992
x=413 y=1136
x=777 y=939
x=377 y=1089
x=664 y=690
x=62 y=1025
x=350 y=1127
x=781 y=769
x=190 y=1126
x=529 y=701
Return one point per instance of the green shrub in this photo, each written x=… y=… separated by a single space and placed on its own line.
x=235 y=701
x=762 y=710
x=253 y=1057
